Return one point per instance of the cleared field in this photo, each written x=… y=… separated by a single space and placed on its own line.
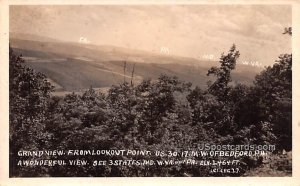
x=74 y=67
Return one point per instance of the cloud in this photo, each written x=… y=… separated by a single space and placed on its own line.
x=187 y=30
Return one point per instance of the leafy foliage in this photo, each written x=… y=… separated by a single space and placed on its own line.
x=274 y=88
x=163 y=114
x=220 y=87
x=28 y=93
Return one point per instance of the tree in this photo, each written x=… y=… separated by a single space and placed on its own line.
x=273 y=92
x=273 y=87
x=156 y=102
x=220 y=87
x=29 y=92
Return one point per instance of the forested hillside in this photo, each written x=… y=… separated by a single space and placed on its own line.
x=165 y=114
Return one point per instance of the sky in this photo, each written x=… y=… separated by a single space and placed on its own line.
x=183 y=30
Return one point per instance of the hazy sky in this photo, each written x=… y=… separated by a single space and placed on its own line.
x=186 y=30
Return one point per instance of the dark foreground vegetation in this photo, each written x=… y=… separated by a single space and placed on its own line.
x=163 y=114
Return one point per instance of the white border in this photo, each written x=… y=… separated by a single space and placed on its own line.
x=4 y=94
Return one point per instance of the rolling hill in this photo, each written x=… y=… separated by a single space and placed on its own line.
x=75 y=67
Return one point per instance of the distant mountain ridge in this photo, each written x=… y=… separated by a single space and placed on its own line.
x=75 y=66
x=41 y=43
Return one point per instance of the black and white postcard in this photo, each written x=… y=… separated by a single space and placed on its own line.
x=195 y=90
